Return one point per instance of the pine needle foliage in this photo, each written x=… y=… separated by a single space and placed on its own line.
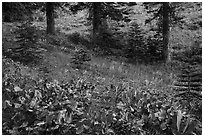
x=27 y=50
x=155 y=48
x=136 y=47
x=79 y=58
x=189 y=82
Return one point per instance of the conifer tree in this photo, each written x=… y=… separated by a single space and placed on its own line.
x=50 y=17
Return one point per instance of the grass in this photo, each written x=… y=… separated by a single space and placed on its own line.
x=104 y=70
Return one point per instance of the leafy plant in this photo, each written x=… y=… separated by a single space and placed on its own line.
x=39 y=106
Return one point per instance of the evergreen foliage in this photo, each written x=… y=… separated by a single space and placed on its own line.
x=105 y=9
x=98 y=13
x=154 y=44
x=18 y=11
x=136 y=48
x=105 y=40
x=80 y=57
x=28 y=50
x=161 y=13
x=75 y=38
x=189 y=83
x=72 y=91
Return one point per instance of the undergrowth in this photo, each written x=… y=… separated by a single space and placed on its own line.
x=37 y=106
x=106 y=97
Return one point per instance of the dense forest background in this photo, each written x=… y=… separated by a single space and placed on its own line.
x=102 y=68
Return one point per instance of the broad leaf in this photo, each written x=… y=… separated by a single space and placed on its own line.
x=179 y=117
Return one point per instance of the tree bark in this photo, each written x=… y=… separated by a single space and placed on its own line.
x=50 y=17
x=165 y=31
x=95 y=20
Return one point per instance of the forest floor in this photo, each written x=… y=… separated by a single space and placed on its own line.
x=109 y=94
x=128 y=98
x=110 y=69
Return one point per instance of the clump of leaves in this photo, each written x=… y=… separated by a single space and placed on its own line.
x=151 y=112
x=80 y=57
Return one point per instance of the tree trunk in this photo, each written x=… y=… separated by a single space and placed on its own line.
x=165 y=32
x=50 y=17
x=95 y=20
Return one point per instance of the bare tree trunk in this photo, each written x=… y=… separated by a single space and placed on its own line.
x=165 y=31
x=95 y=20
x=50 y=17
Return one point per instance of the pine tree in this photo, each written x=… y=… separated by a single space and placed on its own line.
x=136 y=47
x=28 y=51
x=98 y=13
x=18 y=11
x=50 y=17
x=170 y=14
x=161 y=11
x=188 y=86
